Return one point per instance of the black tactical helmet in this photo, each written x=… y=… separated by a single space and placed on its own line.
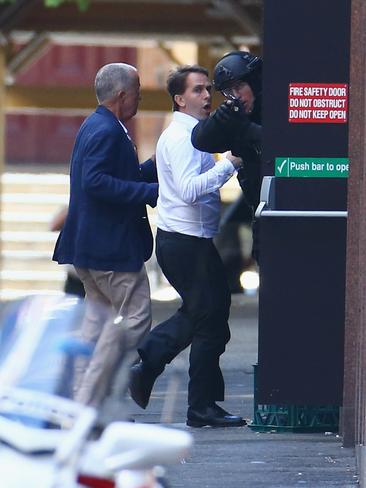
x=238 y=66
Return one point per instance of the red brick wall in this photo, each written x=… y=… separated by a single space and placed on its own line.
x=48 y=139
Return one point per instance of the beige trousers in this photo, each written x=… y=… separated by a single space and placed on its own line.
x=110 y=294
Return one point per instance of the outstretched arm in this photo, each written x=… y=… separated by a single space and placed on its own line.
x=208 y=136
x=217 y=132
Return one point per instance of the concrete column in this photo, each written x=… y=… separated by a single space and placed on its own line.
x=353 y=418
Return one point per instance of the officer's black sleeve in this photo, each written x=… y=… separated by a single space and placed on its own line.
x=249 y=179
x=254 y=134
x=222 y=128
x=208 y=136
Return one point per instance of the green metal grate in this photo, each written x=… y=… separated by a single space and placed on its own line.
x=294 y=418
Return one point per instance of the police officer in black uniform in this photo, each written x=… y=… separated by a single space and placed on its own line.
x=236 y=125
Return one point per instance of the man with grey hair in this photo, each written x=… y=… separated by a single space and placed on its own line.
x=112 y=78
x=106 y=235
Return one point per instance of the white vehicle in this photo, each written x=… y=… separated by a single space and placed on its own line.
x=45 y=439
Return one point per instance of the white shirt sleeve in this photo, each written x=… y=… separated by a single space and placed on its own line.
x=186 y=166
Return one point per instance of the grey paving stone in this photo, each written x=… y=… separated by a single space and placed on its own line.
x=239 y=457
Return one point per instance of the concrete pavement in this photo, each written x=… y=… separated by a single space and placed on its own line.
x=239 y=457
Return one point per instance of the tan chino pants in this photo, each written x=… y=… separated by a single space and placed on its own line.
x=110 y=294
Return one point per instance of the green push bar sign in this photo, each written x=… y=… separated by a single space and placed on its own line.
x=288 y=167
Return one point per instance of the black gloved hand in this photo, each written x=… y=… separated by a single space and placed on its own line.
x=231 y=116
x=223 y=114
x=228 y=112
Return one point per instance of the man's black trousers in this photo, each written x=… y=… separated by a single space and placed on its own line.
x=194 y=268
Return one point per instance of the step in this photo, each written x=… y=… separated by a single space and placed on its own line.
x=32 y=280
x=27 y=255
x=36 y=236
x=37 y=198
x=49 y=209
x=33 y=276
x=35 y=241
x=35 y=183
x=25 y=222
x=28 y=204
x=16 y=262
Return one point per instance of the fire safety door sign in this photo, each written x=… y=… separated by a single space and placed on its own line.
x=318 y=103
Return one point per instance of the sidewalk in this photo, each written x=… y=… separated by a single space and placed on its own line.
x=238 y=457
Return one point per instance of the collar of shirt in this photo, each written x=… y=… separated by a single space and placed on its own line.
x=124 y=128
x=129 y=138
x=185 y=119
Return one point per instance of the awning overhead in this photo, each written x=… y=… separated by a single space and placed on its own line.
x=219 y=21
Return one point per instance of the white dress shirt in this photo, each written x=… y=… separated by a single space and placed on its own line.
x=189 y=182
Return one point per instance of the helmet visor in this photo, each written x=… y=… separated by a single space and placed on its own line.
x=231 y=91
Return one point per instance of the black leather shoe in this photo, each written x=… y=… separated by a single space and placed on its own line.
x=223 y=412
x=141 y=382
x=213 y=416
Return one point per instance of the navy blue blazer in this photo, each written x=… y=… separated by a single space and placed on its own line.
x=106 y=226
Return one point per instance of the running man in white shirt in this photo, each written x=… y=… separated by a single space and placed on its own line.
x=188 y=219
